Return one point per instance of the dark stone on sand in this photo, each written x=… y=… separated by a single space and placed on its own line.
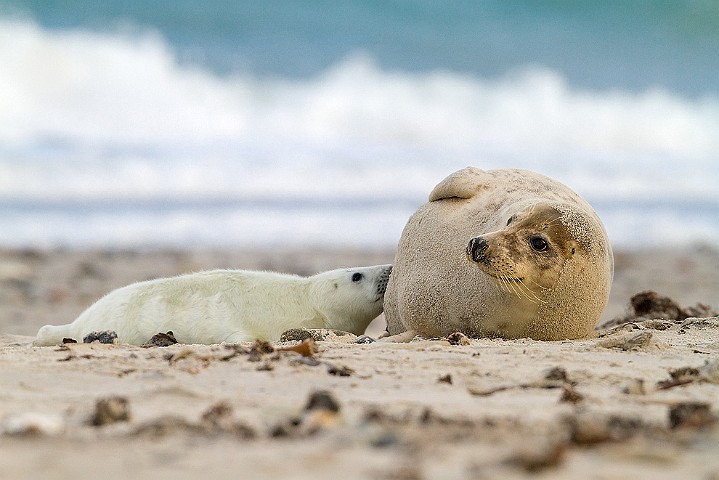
x=316 y=334
x=110 y=410
x=322 y=400
x=105 y=336
x=161 y=340
x=650 y=304
x=458 y=338
x=691 y=415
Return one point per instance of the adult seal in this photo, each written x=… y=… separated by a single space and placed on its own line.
x=500 y=253
x=232 y=306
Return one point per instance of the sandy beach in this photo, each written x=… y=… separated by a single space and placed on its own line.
x=638 y=400
x=141 y=140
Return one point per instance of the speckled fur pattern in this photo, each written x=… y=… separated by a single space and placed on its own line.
x=510 y=290
x=232 y=306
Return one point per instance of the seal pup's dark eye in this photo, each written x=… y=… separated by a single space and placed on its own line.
x=511 y=219
x=538 y=243
x=356 y=277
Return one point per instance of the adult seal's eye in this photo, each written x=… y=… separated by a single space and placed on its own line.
x=538 y=244
x=356 y=277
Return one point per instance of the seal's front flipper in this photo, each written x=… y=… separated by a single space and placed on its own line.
x=404 y=337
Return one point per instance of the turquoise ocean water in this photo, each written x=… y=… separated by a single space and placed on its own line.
x=216 y=123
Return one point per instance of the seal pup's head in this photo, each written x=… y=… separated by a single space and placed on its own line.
x=349 y=299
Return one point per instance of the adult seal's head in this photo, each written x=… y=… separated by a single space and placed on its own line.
x=507 y=253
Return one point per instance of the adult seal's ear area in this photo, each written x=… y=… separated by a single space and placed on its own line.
x=462 y=184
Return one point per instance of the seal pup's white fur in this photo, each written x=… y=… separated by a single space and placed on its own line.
x=232 y=306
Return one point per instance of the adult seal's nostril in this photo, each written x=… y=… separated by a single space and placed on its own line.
x=476 y=249
x=383 y=280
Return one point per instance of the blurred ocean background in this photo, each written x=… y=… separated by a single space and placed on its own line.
x=326 y=123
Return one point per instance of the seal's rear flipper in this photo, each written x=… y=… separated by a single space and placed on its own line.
x=462 y=184
x=50 y=335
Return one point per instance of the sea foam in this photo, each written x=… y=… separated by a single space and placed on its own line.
x=113 y=118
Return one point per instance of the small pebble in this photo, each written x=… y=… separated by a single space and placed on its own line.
x=110 y=410
x=161 y=340
x=628 y=341
x=105 y=336
x=691 y=415
x=458 y=338
x=322 y=399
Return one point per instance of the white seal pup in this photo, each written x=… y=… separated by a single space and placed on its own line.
x=232 y=306
x=500 y=253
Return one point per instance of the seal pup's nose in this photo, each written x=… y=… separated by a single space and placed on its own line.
x=384 y=279
x=476 y=248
